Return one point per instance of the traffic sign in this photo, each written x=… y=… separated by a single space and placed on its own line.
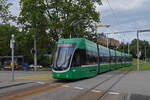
x=11 y=64
x=46 y=55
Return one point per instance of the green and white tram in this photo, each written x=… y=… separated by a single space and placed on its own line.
x=77 y=58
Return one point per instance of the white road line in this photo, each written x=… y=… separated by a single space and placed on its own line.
x=97 y=91
x=41 y=83
x=115 y=93
x=79 y=88
x=65 y=86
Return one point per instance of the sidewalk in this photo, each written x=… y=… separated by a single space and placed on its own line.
x=23 y=80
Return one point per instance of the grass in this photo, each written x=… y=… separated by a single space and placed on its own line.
x=143 y=66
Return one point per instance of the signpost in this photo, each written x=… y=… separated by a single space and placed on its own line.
x=12 y=42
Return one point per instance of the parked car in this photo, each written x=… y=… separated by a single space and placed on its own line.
x=33 y=66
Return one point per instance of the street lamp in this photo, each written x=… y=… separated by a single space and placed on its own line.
x=107 y=26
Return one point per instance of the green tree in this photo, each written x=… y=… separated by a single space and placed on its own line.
x=72 y=17
x=5 y=35
x=142 y=44
x=59 y=18
x=50 y=20
x=5 y=14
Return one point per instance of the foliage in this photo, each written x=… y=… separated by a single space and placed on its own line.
x=50 y=20
x=59 y=18
x=133 y=48
x=5 y=36
x=5 y=14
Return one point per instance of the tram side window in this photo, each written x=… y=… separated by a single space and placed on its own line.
x=101 y=59
x=127 y=59
x=130 y=59
x=77 y=58
x=116 y=59
x=113 y=59
x=91 y=58
x=120 y=59
x=124 y=59
x=106 y=59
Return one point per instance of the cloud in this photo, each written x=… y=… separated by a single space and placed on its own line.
x=122 y=4
x=126 y=15
x=15 y=8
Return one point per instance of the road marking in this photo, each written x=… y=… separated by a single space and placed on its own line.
x=36 y=77
x=65 y=86
x=115 y=93
x=97 y=91
x=79 y=88
x=41 y=83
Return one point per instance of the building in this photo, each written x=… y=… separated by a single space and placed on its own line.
x=111 y=41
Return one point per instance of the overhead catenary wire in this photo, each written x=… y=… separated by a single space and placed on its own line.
x=116 y=17
x=113 y=12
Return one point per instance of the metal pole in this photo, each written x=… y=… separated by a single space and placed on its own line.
x=128 y=48
x=107 y=40
x=138 y=51
x=145 y=54
x=97 y=49
x=12 y=64
x=123 y=46
x=35 y=55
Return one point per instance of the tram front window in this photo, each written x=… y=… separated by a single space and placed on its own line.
x=63 y=56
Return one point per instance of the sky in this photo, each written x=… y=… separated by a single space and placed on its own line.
x=122 y=15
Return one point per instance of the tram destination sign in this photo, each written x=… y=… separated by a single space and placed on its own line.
x=66 y=45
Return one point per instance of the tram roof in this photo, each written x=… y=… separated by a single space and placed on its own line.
x=83 y=43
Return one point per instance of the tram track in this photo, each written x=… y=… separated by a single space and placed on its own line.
x=118 y=80
x=85 y=95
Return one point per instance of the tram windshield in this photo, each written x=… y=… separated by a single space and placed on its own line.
x=63 y=56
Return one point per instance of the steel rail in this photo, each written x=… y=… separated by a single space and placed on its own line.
x=99 y=84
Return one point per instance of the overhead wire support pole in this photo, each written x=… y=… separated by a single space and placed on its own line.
x=138 y=54
x=145 y=54
x=96 y=26
x=138 y=51
x=128 y=48
x=97 y=49
x=35 y=54
x=107 y=40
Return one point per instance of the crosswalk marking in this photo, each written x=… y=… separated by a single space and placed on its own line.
x=65 y=86
x=97 y=91
x=79 y=88
x=115 y=93
x=41 y=83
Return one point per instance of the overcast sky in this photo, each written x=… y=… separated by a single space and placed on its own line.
x=126 y=15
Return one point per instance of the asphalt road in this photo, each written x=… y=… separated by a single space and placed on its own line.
x=115 y=85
